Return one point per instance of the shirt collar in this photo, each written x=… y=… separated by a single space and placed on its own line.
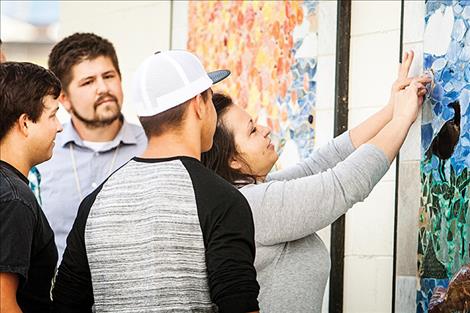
x=14 y=170
x=126 y=135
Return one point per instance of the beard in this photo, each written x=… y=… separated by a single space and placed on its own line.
x=100 y=121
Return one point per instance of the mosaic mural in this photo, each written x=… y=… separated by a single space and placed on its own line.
x=444 y=215
x=271 y=48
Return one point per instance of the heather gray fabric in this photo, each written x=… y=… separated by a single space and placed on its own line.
x=160 y=235
x=170 y=227
x=59 y=191
x=291 y=260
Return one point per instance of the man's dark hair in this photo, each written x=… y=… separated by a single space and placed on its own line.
x=170 y=119
x=76 y=48
x=23 y=87
x=224 y=148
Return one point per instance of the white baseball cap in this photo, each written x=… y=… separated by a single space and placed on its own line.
x=168 y=79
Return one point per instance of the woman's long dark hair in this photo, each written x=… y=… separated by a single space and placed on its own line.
x=224 y=149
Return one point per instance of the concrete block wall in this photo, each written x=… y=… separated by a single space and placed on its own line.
x=375 y=42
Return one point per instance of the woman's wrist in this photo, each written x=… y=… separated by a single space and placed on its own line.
x=388 y=110
x=402 y=121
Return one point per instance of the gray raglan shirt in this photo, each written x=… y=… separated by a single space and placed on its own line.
x=292 y=262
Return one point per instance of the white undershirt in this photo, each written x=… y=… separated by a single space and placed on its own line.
x=95 y=145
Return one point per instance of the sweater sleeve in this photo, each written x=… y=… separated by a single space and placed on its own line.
x=228 y=231
x=230 y=258
x=292 y=209
x=73 y=291
x=321 y=159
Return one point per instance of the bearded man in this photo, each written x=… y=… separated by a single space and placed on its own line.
x=97 y=140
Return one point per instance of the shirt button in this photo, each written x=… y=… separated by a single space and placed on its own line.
x=95 y=154
x=94 y=185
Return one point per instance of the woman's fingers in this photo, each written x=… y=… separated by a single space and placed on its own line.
x=417 y=87
x=422 y=92
x=423 y=79
x=404 y=68
x=402 y=83
x=406 y=65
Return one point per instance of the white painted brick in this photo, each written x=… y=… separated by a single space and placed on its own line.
x=373 y=68
x=417 y=65
x=374 y=16
x=358 y=115
x=368 y=284
x=369 y=225
x=413 y=21
x=327 y=27
x=180 y=25
x=324 y=126
x=326 y=82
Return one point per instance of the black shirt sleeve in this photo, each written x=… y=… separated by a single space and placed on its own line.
x=17 y=225
x=73 y=291
x=228 y=231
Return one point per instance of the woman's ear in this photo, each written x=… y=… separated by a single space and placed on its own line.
x=235 y=164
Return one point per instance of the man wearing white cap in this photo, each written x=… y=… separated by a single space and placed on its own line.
x=163 y=233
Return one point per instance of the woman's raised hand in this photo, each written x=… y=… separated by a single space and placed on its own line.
x=404 y=81
x=408 y=101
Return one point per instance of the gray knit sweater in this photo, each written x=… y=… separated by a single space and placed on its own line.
x=291 y=260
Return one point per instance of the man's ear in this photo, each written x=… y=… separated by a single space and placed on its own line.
x=64 y=100
x=200 y=107
x=23 y=124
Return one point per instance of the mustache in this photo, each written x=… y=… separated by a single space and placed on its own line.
x=103 y=98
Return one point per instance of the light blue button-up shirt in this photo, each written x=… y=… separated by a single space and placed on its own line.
x=62 y=187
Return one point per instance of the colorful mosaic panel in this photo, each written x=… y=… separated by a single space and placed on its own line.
x=270 y=47
x=444 y=215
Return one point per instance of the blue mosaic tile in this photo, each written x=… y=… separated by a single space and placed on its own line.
x=425 y=293
x=466 y=10
x=444 y=214
x=458 y=9
x=452 y=74
x=458 y=32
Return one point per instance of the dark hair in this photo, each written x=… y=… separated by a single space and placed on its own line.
x=74 y=49
x=170 y=119
x=224 y=149
x=23 y=87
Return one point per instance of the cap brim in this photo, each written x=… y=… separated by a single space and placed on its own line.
x=217 y=76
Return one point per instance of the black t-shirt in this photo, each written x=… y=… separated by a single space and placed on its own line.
x=27 y=246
